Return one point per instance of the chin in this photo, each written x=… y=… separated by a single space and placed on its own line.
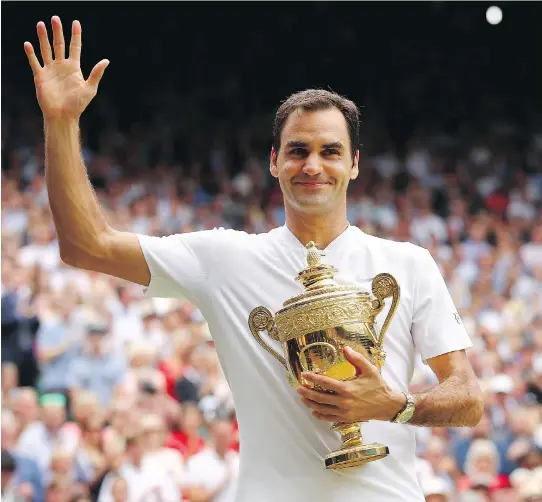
x=314 y=206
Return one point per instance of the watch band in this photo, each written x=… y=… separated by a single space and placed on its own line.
x=409 y=406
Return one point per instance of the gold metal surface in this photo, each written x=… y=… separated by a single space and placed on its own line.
x=313 y=329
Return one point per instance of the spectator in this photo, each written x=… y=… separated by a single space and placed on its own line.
x=154 y=399
x=482 y=468
x=11 y=491
x=40 y=438
x=144 y=480
x=188 y=439
x=211 y=474
x=435 y=490
x=27 y=474
x=26 y=407
x=57 y=347
x=155 y=432
x=96 y=370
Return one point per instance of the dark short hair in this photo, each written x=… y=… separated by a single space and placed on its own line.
x=315 y=100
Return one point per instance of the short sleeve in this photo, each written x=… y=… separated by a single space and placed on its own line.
x=178 y=263
x=436 y=326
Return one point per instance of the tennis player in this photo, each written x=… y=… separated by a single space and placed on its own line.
x=284 y=434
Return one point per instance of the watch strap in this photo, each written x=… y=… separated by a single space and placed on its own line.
x=409 y=404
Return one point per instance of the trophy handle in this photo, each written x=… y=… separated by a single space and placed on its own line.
x=261 y=319
x=385 y=286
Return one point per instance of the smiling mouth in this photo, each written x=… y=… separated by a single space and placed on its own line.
x=312 y=184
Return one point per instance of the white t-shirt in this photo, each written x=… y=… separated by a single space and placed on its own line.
x=147 y=483
x=208 y=470
x=227 y=273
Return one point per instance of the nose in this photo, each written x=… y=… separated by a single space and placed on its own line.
x=312 y=165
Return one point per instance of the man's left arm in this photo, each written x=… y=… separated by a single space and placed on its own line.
x=457 y=400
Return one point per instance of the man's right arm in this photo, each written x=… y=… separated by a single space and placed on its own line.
x=85 y=239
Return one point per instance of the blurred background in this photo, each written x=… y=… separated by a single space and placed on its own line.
x=95 y=379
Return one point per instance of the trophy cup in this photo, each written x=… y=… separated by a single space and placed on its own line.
x=313 y=329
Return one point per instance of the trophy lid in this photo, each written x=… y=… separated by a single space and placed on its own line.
x=318 y=279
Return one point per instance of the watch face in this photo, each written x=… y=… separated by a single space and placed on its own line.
x=407 y=415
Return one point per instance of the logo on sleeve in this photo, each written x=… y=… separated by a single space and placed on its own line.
x=457 y=318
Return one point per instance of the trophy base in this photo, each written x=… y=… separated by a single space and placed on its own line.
x=356 y=455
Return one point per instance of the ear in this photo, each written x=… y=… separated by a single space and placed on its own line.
x=355 y=166
x=273 y=163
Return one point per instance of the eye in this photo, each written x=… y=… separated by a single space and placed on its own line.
x=298 y=152
x=330 y=151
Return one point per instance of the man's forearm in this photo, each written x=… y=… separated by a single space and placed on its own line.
x=78 y=218
x=455 y=402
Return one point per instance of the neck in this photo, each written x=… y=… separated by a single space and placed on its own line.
x=321 y=228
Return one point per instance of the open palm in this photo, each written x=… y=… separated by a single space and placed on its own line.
x=61 y=88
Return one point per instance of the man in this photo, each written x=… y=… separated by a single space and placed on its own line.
x=26 y=407
x=156 y=452
x=41 y=438
x=97 y=370
x=27 y=476
x=212 y=473
x=10 y=490
x=57 y=347
x=146 y=481
x=228 y=273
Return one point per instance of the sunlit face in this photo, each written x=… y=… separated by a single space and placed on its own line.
x=314 y=164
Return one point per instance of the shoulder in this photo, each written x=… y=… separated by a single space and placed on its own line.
x=398 y=250
x=200 y=240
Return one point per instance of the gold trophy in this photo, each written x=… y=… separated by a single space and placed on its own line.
x=313 y=329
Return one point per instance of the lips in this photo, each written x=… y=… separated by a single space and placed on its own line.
x=312 y=184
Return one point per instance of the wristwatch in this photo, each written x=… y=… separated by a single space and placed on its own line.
x=406 y=413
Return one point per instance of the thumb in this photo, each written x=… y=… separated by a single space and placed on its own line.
x=360 y=360
x=98 y=72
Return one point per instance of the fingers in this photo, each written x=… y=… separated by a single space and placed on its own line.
x=75 y=43
x=325 y=382
x=45 y=46
x=360 y=360
x=325 y=409
x=58 y=38
x=32 y=59
x=98 y=72
x=326 y=417
x=319 y=397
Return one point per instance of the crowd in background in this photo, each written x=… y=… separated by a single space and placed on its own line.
x=107 y=396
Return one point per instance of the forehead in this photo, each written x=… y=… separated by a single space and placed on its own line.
x=321 y=125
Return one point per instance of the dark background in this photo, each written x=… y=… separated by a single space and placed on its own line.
x=410 y=66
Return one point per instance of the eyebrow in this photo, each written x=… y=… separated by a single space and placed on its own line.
x=301 y=144
x=337 y=145
x=296 y=144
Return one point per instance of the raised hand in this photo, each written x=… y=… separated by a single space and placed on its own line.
x=62 y=91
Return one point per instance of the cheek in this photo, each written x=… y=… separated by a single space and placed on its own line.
x=289 y=169
x=338 y=170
